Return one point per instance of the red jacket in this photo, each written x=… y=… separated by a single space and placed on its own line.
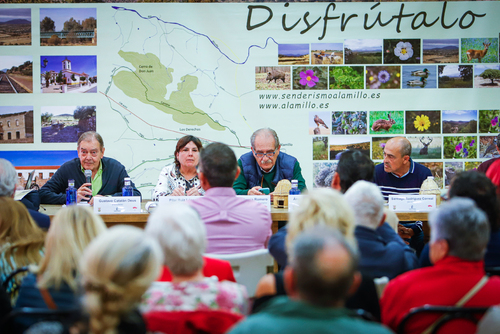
x=211 y=267
x=443 y=284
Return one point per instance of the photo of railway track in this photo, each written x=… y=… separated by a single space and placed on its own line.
x=16 y=74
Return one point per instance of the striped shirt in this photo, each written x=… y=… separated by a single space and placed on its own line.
x=408 y=184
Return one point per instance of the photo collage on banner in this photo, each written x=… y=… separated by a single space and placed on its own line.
x=328 y=77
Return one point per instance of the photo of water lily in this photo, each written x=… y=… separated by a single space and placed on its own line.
x=401 y=51
x=310 y=77
x=489 y=121
x=423 y=121
x=383 y=77
x=460 y=147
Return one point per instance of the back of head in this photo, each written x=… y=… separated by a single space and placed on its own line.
x=353 y=166
x=463 y=225
x=481 y=190
x=182 y=236
x=71 y=230
x=324 y=264
x=266 y=132
x=321 y=206
x=8 y=178
x=367 y=203
x=117 y=268
x=219 y=165
x=89 y=136
x=24 y=239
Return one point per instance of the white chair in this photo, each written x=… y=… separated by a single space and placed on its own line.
x=248 y=267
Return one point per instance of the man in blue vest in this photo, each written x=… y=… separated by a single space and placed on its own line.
x=265 y=166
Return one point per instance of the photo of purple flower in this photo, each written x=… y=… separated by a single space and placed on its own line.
x=383 y=76
x=458 y=148
x=472 y=143
x=494 y=121
x=308 y=78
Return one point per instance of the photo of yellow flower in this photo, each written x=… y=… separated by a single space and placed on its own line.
x=422 y=122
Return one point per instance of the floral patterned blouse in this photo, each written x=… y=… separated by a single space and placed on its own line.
x=208 y=294
x=170 y=178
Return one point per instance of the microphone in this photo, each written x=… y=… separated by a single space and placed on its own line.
x=88 y=179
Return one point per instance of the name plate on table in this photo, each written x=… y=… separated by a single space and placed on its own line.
x=127 y=204
x=293 y=202
x=264 y=199
x=412 y=203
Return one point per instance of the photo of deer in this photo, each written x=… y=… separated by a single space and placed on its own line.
x=451 y=169
x=423 y=121
x=426 y=147
x=479 y=50
x=384 y=122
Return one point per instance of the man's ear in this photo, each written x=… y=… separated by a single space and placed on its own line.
x=290 y=282
x=238 y=171
x=382 y=221
x=406 y=159
x=203 y=181
x=336 y=181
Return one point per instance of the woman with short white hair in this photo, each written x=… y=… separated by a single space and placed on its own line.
x=182 y=237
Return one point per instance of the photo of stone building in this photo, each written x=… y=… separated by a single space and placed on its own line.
x=16 y=126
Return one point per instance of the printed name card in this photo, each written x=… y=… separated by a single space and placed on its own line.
x=293 y=202
x=263 y=199
x=127 y=204
x=412 y=203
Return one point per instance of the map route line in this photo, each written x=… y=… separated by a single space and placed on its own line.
x=198 y=33
x=159 y=127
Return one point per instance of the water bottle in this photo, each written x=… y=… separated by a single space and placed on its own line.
x=71 y=193
x=295 y=188
x=127 y=190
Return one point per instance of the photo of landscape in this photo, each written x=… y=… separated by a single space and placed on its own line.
x=320 y=148
x=15 y=26
x=363 y=51
x=63 y=124
x=486 y=76
x=342 y=144
x=68 y=26
x=440 y=50
x=455 y=76
x=459 y=121
x=293 y=54
x=16 y=74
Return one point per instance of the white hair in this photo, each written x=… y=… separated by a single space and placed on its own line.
x=8 y=178
x=182 y=236
x=367 y=203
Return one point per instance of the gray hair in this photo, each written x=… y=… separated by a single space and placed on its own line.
x=8 y=178
x=367 y=203
x=88 y=136
x=266 y=132
x=322 y=284
x=182 y=236
x=464 y=226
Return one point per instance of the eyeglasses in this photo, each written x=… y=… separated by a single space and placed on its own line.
x=268 y=154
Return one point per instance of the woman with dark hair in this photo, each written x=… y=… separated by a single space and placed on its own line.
x=181 y=177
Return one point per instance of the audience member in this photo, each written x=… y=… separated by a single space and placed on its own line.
x=21 y=242
x=107 y=174
x=382 y=251
x=493 y=174
x=265 y=166
x=54 y=282
x=8 y=181
x=323 y=207
x=459 y=236
x=399 y=174
x=181 y=177
x=483 y=167
x=117 y=268
x=479 y=188
x=182 y=237
x=353 y=166
x=321 y=275
x=234 y=224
